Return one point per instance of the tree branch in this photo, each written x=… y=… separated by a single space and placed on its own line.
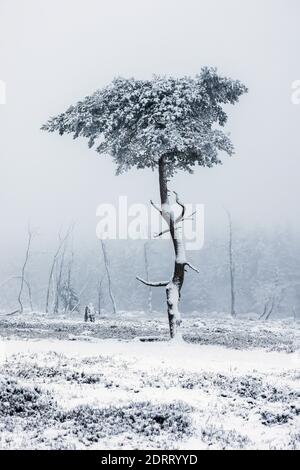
x=153 y=284
x=192 y=267
x=157 y=235
x=156 y=207
x=180 y=217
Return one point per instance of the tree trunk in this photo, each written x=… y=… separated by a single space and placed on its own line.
x=26 y=282
x=100 y=294
x=86 y=314
x=23 y=273
x=99 y=301
x=147 y=277
x=68 y=305
x=106 y=262
x=59 y=283
x=174 y=286
x=173 y=289
x=231 y=267
x=265 y=310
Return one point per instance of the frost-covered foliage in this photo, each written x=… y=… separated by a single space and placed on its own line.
x=143 y=419
x=138 y=121
x=22 y=401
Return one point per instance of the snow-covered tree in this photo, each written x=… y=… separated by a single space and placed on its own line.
x=166 y=123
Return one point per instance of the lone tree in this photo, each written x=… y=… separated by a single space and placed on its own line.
x=166 y=123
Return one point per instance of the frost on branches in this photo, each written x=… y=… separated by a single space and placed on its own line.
x=138 y=121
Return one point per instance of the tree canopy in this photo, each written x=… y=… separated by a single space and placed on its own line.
x=138 y=121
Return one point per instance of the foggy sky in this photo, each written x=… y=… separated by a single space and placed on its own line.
x=54 y=52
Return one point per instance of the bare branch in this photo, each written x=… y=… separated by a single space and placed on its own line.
x=157 y=235
x=156 y=207
x=153 y=284
x=190 y=216
x=12 y=313
x=192 y=267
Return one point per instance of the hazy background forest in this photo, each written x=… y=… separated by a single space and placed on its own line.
x=266 y=272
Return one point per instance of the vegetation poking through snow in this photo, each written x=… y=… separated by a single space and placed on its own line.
x=22 y=401
x=144 y=419
x=114 y=394
x=242 y=333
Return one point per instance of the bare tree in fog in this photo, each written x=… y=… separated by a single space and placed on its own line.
x=231 y=264
x=106 y=263
x=146 y=259
x=27 y=284
x=100 y=292
x=59 y=279
x=22 y=277
x=274 y=294
x=68 y=292
x=62 y=241
x=167 y=124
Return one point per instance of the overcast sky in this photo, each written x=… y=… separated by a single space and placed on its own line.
x=54 y=52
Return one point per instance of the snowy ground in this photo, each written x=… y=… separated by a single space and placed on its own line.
x=230 y=385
